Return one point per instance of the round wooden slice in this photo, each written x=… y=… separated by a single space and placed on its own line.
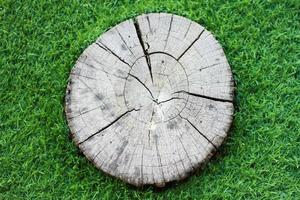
x=151 y=99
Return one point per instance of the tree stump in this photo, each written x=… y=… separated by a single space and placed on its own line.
x=151 y=99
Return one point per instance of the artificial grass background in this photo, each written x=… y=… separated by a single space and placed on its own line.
x=40 y=42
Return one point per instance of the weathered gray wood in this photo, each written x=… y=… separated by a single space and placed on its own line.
x=151 y=99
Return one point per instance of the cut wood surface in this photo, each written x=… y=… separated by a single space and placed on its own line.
x=151 y=99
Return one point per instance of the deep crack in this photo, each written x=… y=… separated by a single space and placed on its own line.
x=190 y=45
x=198 y=131
x=203 y=96
x=108 y=125
x=170 y=26
x=146 y=54
x=104 y=47
x=142 y=84
x=169 y=100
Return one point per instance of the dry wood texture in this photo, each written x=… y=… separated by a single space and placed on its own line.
x=151 y=99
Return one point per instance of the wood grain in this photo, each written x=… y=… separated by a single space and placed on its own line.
x=151 y=99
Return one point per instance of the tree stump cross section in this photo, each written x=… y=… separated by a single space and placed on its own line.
x=151 y=99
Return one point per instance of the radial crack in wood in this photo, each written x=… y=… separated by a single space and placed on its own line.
x=151 y=100
x=146 y=54
x=204 y=96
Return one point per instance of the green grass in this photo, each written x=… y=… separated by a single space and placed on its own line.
x=40 y=42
